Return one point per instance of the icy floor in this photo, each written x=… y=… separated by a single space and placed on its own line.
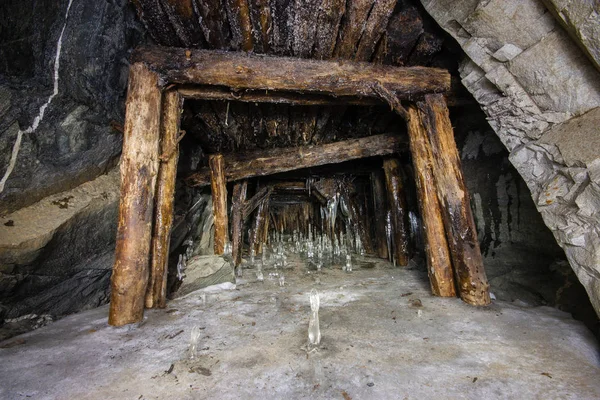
x=383 y=337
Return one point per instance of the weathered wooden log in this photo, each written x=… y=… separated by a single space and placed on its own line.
x=356 y=217
x=260 y=15
x=239 y=23
x=439 y=263
x=218 y=186
x=255 y=201
x=139 y=168
x=353 y=26
x=397 y=204
x=473 y=286
x=267 y=162
x=156 y=293
x=379 y=211
x=237 y=224
x=374 y=28
x=212 y=18
x=260 y=72
x=260 y=219
x=328 y=23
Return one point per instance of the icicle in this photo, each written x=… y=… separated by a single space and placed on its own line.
x=281 y=280
x=194 y=339
x=388 y=234
x=314 y=333
x=181 y=265
x=348 y=263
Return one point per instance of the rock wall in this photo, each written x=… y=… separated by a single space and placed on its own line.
x=541 y=95
x=78 y=136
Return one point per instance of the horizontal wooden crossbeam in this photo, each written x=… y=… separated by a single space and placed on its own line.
x=269 y=73
x=272 y=161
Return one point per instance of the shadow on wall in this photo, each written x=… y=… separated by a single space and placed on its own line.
x=522 y=259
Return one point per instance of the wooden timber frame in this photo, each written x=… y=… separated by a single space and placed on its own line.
x=161 y=78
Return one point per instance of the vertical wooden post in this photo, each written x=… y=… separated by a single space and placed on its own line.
x=452 y=193
x=237 y=224
x=139 y=167
x=260 y=224
x=156 y=293
x=439 y=264
x=397 y=204
x=379 y=211
x=216 y=163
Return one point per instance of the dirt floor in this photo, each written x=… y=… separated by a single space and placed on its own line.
x=383 y=337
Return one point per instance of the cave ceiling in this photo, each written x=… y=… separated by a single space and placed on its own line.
x=388 y=32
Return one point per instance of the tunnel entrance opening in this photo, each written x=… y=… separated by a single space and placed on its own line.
x=149 y=165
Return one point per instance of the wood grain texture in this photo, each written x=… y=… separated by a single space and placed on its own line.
x=439 y=262
x=472 y=283
x=156 y=293
x=260 y=72
x=139 y=168
x=272 y=161
x=218 y=186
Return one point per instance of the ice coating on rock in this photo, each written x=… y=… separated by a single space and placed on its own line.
x=314 y=333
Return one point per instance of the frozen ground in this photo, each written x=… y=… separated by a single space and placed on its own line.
x=383 y=337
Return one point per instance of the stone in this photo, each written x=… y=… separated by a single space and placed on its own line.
x=507 y=52
x=204 y=271
x=581 y=19
x=57 y=254
x=542 y=105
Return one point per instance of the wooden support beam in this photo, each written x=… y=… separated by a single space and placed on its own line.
x=218 y=186
x=139 y=168
x=260 y=224
x=262 y=96
x=379 y=211
x=254 y=202
x=237 y=224
x=452 y=192
x=156 y=293
x=260 y=72
x=439 y=264
x=267 y=162
x=397 y=203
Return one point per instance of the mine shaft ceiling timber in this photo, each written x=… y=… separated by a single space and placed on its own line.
x=389 y=32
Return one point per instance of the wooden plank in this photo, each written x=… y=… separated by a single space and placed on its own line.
x=156 y=293
x=255 y=96
x=219 y=200
x=240 y=24
x=272 y=161
x=260 y=72
x=353 y=25
x=379 y=211
x=397 y=205
x=439 y=264
x=453 y=195
x=139 y=168
x=374 y=28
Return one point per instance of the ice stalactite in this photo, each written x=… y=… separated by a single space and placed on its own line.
x=42 y=110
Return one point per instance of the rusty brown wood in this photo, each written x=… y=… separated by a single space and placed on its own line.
x=156 y=293
x=260 y=72
x=139 y=168
x=397 y=204
x=471 y=280
x=439 y=263
x=267 y=162
x=218 y=186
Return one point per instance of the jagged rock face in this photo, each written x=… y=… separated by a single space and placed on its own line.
x=75 y=141
x=541 y=95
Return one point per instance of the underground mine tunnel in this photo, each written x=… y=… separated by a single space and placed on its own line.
x=305 y=199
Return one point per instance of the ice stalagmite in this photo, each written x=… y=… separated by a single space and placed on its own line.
x=314 y=333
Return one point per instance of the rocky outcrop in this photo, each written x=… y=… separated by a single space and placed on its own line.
x=78 y=136
x=541 y=96
x=56 y=255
